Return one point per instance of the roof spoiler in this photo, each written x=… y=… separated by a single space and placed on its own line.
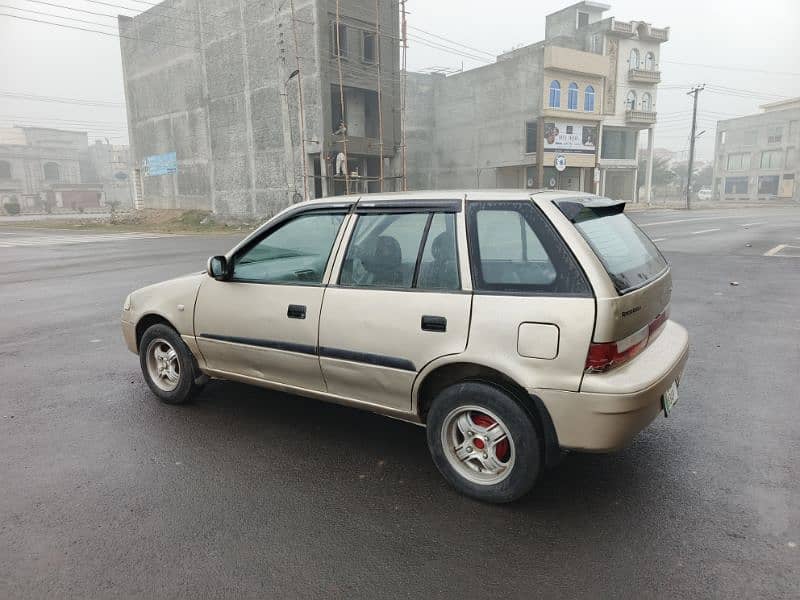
x=603 y=207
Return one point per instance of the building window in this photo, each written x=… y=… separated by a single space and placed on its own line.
x=5 y=170
x=368 y=47
x=572 y=96
x=338 y=39
x=597 y=46
x=647 y=102
x=650 y=61
x=771 y=159
x=791 y=158
x=738 y=162
x=583 y=19
x=588 y=99
x=768 y=184
x=774 y=135
x=630 y=100
x=723 y=137
x=634 y=59
x=555 y=94
x=531 y=136
x=736 y=185
x=51 y=172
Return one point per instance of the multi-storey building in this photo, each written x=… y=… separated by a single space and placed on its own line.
x=244 y=107
x=538 y=115
x=35 y=159
x=756 y=156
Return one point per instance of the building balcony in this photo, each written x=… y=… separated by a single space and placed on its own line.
x=644 y=76
x=645 y=31
x=640 y=117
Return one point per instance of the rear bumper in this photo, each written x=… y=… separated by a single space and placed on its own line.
x=612 y=408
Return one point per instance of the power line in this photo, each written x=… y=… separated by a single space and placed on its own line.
x=726 y=68
x=453 y=42
x=81 y=101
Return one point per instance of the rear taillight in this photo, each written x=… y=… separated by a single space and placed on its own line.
x=608 y=355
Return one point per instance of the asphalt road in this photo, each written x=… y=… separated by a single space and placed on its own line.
x=106 y=493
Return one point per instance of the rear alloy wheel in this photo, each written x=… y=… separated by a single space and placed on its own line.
x=484 y=442
x=168 y=365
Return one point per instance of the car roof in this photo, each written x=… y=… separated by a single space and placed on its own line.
x=484 y=195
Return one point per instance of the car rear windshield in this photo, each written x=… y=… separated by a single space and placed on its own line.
x=628 y=255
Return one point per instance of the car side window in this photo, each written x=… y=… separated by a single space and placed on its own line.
x=438 y=269
x=384 y=252
x=514 y=249
x=295 y=253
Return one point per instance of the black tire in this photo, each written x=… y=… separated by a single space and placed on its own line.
x=525 y=449
x=188 y=373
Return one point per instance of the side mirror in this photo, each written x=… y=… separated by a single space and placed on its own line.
x=217 y=268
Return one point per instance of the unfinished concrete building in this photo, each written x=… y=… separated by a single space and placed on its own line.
x=537 y=117
x=243 y=107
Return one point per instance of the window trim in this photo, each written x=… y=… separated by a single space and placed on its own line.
x=573 y=92
x=273 y=226
x=374 y=35
x=554 y=92
x=337 y=280
x=338 y=45
x=550 y=241
x=589 y=93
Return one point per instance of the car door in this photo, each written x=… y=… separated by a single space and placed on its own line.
x=533 y=312
x=397 y=302
x=262 y=323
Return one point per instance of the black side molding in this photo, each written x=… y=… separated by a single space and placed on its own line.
x=273 y=344
x=379 y=360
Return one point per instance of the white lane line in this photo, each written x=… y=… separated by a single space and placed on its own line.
x=704 y=231
x=689 y=220
x=775 y=250
x=658 y=239
x=752 y=224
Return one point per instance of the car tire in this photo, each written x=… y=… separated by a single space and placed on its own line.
x=168 y=365
x=484 y=442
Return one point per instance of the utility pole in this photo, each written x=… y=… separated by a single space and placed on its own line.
x=694 y=92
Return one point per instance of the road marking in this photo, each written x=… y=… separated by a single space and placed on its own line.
x=704 y=231
x=66 y=240
x=658 y=239
x=689 y=220
x=778 y=248
x=752 y=224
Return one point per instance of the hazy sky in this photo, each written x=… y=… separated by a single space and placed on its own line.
x=749 y=48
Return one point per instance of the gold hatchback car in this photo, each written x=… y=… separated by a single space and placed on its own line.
x=513 y=325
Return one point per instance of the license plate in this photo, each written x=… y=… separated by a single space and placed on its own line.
x=669 y=398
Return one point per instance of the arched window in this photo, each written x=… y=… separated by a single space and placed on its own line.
x=588 y=99
x=555 y=94
x=647 y=102
x=630 y=100
x=650 y=61
x=5 y=170
x=634 y=59
x=572 y=96
x=51 y=172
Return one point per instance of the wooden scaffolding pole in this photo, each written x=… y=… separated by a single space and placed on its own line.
x=302 y=110
x=404 y=84
x=341 y=96
x=380 y=92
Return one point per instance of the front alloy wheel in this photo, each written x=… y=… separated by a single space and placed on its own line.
x=162 y=364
